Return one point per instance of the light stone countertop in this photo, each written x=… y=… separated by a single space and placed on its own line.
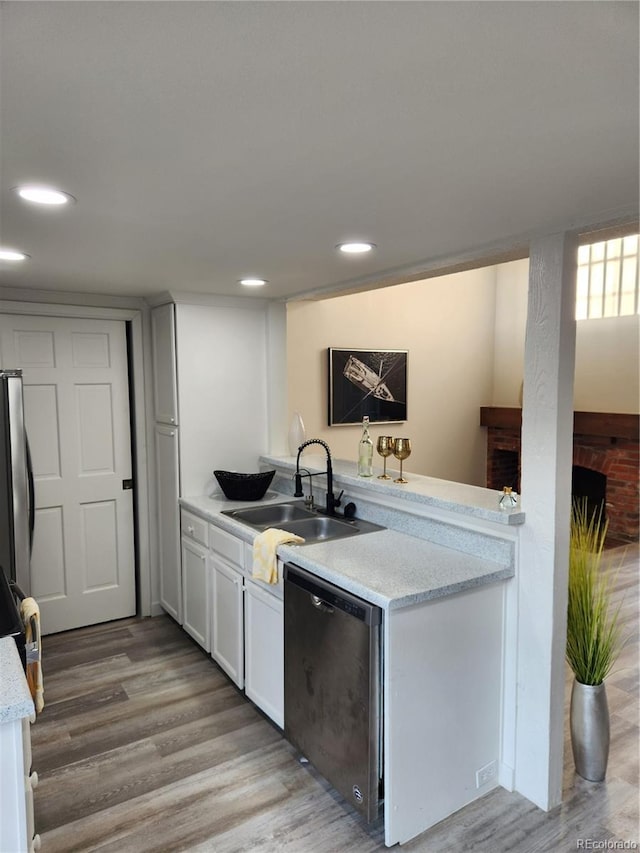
x=392 y=569
x=459 y=498
x=15 y=698
x=387 y=568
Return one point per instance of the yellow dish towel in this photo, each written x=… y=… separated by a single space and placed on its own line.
x=265 y=561
x=30 y=613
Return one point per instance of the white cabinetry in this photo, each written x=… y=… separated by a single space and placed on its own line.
x=167 y=491
x=163 y=346
x=245 y=618
x=30 y=784
x=227 y=646
x=167 y=458
x=227 y=617
x=17 y=780
x=248 y=642
x=264 y=650
x=195 y=390
x=195 y=592
x=196 y=579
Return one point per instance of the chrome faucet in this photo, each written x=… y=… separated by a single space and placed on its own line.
x=332 y=501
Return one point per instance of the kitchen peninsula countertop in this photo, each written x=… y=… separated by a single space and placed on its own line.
x=420 y=491
x=389 y=568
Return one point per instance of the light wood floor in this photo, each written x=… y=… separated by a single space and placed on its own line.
x=144 y=745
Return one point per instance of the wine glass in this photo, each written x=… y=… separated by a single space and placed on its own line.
x=401 y=450
x=385 y=448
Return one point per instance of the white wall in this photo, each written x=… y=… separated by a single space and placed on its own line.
x=607 y=365
x=607 y=375
x=222 y=390
x=447 y=325
x=512 y=281
x=465 y=336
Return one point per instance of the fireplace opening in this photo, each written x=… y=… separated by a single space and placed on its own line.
x=590 y=485
x=505 y=469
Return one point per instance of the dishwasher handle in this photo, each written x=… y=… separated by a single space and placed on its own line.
x=331 y=597
x=319 y=604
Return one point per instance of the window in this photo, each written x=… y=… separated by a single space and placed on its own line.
x=608 y=279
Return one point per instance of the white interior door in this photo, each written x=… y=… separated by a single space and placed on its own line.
x=76 y=399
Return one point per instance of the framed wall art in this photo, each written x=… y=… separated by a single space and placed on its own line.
x=367 y=382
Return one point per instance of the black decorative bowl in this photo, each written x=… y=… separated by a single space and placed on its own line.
x=244 y=487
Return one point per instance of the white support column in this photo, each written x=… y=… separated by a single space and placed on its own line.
x=547 y=450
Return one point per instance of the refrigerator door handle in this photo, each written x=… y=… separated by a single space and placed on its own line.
x=31 y=496
x=20 y=571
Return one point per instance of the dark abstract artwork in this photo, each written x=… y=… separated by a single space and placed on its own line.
x=367 y=382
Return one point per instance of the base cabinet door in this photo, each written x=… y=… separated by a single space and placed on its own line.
x=227 y=642
x=264 y=651
x=196 y=592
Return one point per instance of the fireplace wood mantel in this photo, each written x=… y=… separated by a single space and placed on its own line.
x=611 y=424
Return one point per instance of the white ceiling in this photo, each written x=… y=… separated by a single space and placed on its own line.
x=206 y=141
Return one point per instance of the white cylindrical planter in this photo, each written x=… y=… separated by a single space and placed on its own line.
x=589 y=719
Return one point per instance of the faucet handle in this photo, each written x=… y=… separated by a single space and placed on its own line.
x=337 y=501
x=350 y=510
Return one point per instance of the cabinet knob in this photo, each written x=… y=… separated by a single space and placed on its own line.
x=33 y=780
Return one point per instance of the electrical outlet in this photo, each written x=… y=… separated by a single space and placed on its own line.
x=486 y=774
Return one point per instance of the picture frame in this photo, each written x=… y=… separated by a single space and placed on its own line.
x=367 y=382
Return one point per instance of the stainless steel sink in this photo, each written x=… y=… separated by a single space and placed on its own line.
x=268 y=516
x=322 y=527
x=307 y=523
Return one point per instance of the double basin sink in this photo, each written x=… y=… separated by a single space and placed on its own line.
x=308 y=523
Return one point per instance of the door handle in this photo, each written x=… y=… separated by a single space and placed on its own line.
x=127 y=484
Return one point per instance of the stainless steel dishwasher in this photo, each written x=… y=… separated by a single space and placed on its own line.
x=332 y=685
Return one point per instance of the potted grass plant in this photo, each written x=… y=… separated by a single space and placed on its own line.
x=594 y=640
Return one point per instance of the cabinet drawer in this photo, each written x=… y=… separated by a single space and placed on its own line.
x=228 y=546
x=194 y=527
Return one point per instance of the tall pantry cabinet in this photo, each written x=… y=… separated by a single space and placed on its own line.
x=211 y=377
x=165 y=406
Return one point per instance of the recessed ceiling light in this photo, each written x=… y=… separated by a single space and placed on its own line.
x=43 y=195
x=253 y=282
x=356 y=248
x=12 y=255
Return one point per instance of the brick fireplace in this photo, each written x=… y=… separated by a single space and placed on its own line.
x=605 y=462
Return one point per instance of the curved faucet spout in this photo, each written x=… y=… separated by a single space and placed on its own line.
x=332 y=503
x=314 y=441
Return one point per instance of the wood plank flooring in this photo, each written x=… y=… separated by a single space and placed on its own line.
x=144 y=745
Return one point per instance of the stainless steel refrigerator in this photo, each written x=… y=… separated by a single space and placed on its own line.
x=16 y=483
